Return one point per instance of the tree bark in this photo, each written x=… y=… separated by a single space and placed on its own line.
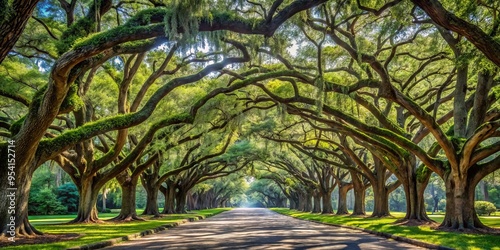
x=151 y=200
x=12 y=23
x=308 y=202
x=169 y=193
x=302 y=206
x=459 y=110
x=316 y=202
x=87 y=210
x=180 y=199
x=484 y=187
x=381 y=200
x=15 y=203
x=327 y=203
x=485 y=43
x=128 y=210
x=192 y=201
x=342 y=204
x=104 y=196
x=293 y=204
x=480 y=107
x=359 y=200
x=414 y=190
x=460 y=213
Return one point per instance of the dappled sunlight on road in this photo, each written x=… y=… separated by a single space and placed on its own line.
x=253 y=228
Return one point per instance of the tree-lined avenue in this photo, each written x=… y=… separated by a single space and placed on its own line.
x=259 y=228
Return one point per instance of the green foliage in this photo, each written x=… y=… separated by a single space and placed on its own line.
x=265 y=126
x=68 y=195
x=77 y=30
x=484 y=207
x=81 y=28
x=5 y=10
x=45 y=202
x=240 y=149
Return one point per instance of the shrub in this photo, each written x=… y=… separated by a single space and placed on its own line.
x=44 y=202
x=68 y=195
x=107 y=210
x=484 y=207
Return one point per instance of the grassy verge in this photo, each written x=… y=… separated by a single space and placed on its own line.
x=99 y=232
x=422 y=233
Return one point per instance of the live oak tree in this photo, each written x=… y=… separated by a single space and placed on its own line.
x=389 y=90
x=149 y=26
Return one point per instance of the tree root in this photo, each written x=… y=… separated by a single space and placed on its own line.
x=342 y=213
x=358 y=215
x=127 y=218
x=86 y=221
x=415 y=222
x=381 y=216
x=23 y=230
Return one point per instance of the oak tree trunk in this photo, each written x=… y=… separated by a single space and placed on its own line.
x=14 y=202
x=342 y=204
x=169 y=193
x=302 y=202
x=414 y=190
x=327 y=203
x=359 y=201
x=151 y=201
x=180 y=199
x=308 y=202
x=381 y=200
x=316 y=203
x=293 y=204
x=460 y=212
x=359 y=194
x=128 y=210
x=87 y=210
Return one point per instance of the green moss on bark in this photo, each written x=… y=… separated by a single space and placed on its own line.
x=87 y=131
x=72 y=101
x=16 y=126
x=422 y=173
x=79 y=29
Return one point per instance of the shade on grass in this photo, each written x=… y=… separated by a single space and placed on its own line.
x=100 y=232
x=422 y=233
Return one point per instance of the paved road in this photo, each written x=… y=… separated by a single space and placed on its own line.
x=257 y=228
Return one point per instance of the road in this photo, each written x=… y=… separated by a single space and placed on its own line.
x=258 y=228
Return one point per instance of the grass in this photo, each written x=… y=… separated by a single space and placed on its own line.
x=59 y=219
x=422 y=233
x=100 y=232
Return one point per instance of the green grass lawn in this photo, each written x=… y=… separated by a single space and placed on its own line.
x=100 y=232
x=58 y=219
x=422 y=233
